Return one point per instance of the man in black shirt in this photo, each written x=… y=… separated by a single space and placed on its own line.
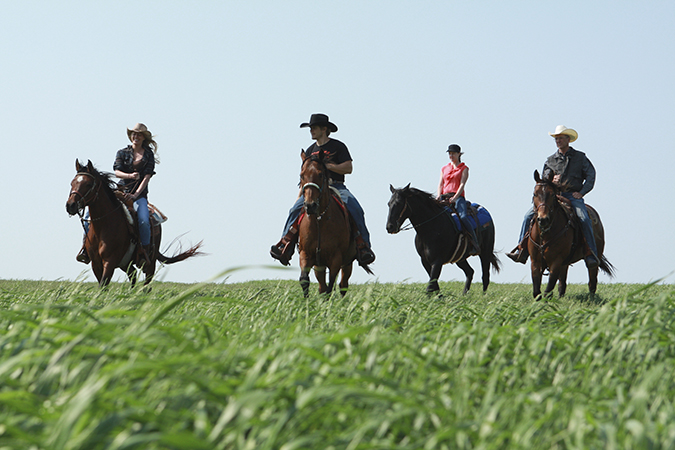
x=339 y=163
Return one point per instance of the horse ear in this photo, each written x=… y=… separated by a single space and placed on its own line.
x=407 y=187
x=302 y=155
x=90 y=166
x=78 y=166
x=536 y=176
x=391 y=188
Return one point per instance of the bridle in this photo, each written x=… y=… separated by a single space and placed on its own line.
x=93 y=190
x=317 y=201
x=542 y=247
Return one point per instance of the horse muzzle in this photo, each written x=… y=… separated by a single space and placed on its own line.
x=393 y=227
x=311 y=208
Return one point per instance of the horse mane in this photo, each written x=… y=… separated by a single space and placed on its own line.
x=108 y=184
x=425 y=196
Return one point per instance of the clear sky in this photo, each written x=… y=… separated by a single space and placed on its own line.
x=224 y=86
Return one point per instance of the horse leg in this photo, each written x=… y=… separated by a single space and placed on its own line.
x=304 y=280
x=468 y=274
x=562 y=281
x=106 y=276
x=320 y=274
x=132 y=275
x=344 y=279
x=536 y=270
x=434 y=272
x=485 y=270
x=593 y=279
x=554 y=273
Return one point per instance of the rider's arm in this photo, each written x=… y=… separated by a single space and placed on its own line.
x=142 y=186
x=126 y=176
x=343 y=168
x=462 y=183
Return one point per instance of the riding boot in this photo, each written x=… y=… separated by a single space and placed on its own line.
x=83 y=256
x=145 y=252
x=283 y=250
x=590 y=258
x=520 y=253
x=364 y=254
x=474 y=248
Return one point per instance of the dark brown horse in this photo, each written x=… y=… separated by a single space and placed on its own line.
x=437 y=240
x=556 y=240
x=325 y=239
x=110 y=241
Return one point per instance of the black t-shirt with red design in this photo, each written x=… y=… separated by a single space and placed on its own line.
x=335 y=152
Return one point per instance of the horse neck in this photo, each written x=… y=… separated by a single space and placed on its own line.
x=422 y=210
x=103 y=206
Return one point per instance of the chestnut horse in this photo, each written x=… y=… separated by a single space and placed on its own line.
x=437 y=240
x=325 y=237
x=556 y=239
x=110 y=242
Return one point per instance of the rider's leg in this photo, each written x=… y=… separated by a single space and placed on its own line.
x=83 y=256
x=143 y=214
x=283 y=250
x=579 y=206
x=460 y=206
x=520 y=253
x=365 y=254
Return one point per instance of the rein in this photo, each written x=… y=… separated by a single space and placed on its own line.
x=545 y=244
x=412 y=225
x=321 y=214
x=82 y=202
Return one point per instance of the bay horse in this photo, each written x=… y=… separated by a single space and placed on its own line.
x=110 y=242
x=325 y=236
x=437 y=240
x=556 y=239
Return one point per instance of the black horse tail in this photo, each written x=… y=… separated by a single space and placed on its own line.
x=607 y=266
x=367 y=269
x=495 y=262
x=192 y=251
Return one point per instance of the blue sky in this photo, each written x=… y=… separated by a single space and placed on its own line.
x=225 y=85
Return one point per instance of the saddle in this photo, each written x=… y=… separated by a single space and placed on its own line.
x=156 y=218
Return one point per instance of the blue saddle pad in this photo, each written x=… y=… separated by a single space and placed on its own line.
x=483 y=217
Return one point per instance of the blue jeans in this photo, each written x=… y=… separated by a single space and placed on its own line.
x=579 y=207
x=460 y=206
x=350 y=202
x=141 y=208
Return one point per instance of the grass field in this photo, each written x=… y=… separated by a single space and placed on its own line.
x=256 y=366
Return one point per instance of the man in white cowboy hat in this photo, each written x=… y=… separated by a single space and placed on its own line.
x=575 y=174
x=339 y=164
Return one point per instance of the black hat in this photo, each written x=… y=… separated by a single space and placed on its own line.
x=320 y=119
x=454 y=148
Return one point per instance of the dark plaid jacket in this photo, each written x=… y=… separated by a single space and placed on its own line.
x=578 y=174
x=124 y=162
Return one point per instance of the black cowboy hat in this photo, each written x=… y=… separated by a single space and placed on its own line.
x=320 y=119
x=454 y=148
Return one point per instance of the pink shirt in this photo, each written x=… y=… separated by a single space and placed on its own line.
x=452 y=177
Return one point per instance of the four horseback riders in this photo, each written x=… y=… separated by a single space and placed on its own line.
x=572 y=171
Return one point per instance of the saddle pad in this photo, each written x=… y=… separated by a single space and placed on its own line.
x=484 y=217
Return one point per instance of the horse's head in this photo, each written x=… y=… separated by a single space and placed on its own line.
x=398 y=208
x=545 y=200
x=83 y=189
x=314 y=182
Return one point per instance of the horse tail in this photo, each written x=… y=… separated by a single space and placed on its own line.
x=606 y=266
x=192 y=251
x=495 y=262
x=367 y=269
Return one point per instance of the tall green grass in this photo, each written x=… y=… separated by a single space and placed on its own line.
x=257 y=366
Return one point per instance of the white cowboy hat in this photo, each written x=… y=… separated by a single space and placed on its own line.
x=562 y=129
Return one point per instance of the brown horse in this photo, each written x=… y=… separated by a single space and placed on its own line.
x=325 y=237
x=556 y=240
x=110 y=242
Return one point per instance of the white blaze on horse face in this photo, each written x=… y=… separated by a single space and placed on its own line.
x=80 y=179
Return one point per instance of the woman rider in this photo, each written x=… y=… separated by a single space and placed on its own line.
x=135 y=165
x=454 y=176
